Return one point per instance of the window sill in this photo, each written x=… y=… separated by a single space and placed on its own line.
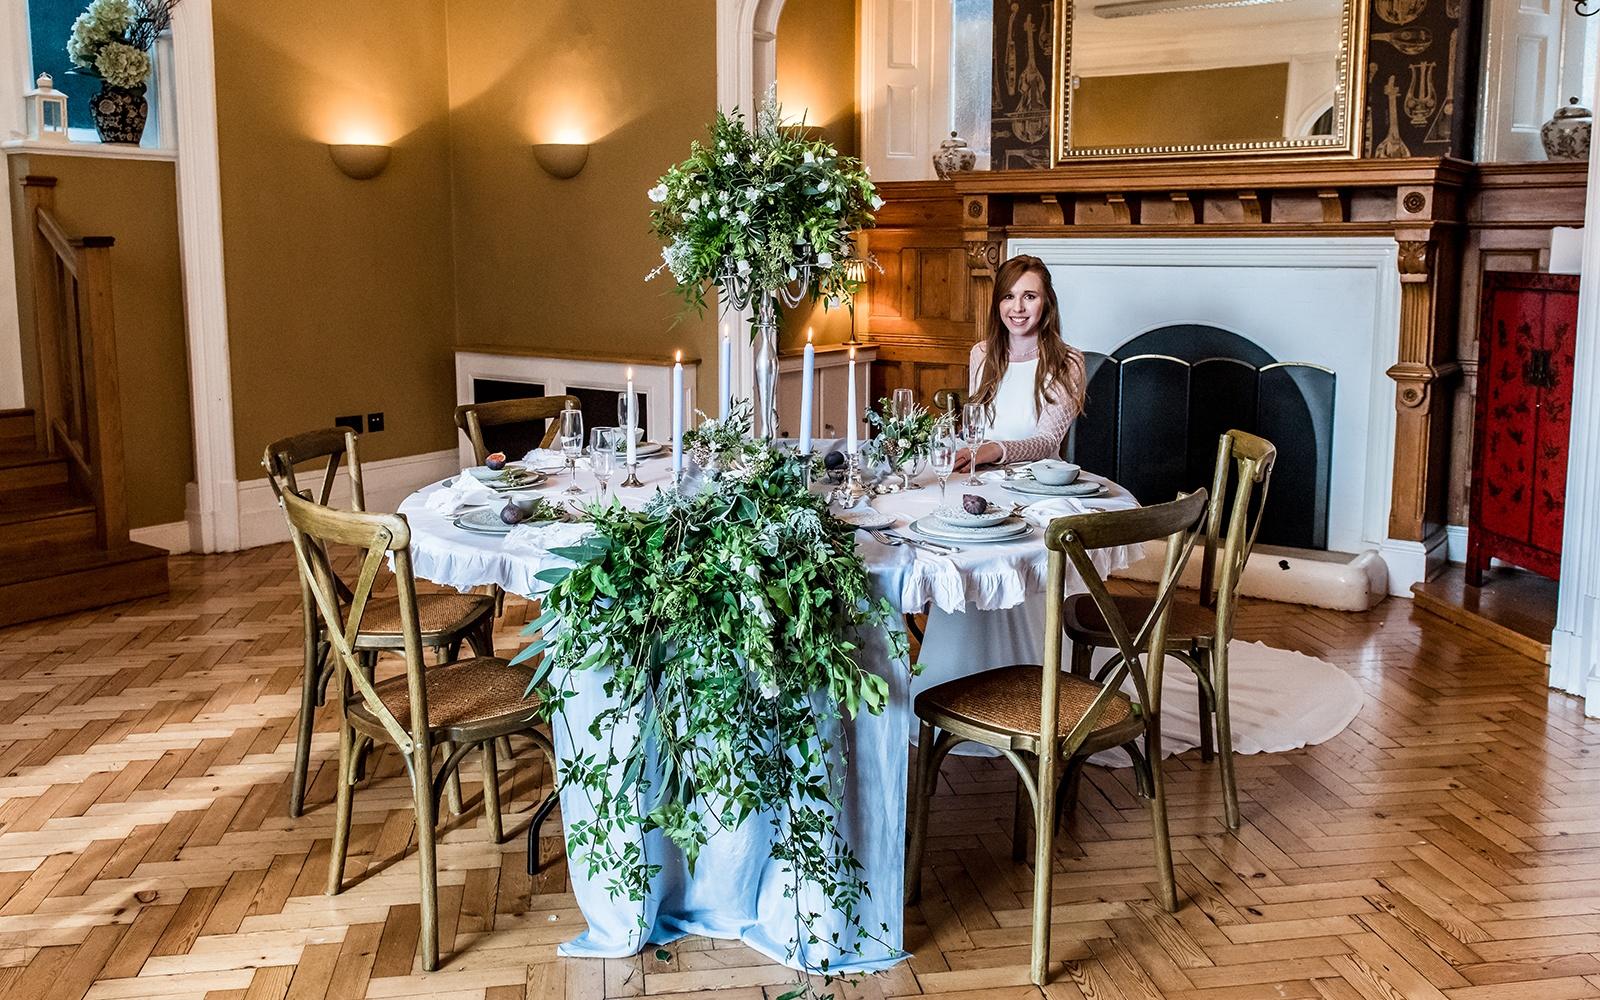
x=112 y=151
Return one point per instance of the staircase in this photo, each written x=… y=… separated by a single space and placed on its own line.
x=64 y=543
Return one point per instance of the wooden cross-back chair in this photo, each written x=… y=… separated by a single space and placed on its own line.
x=472 y=418
x=1202 y=626
x=1040 y=718
x=446 y=620
x=461 y=705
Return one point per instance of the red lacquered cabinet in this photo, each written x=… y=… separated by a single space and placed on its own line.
x=1519 y=451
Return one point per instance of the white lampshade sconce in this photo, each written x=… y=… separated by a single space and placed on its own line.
x=46 y=111
x=562 y=160
x=359 y=161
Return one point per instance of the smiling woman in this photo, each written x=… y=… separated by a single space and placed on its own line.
x=1029 y=380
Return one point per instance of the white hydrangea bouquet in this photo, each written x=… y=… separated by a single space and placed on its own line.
x=111 y=39
x=758 y=210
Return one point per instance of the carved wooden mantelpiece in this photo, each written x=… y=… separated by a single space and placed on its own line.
x=935 y=235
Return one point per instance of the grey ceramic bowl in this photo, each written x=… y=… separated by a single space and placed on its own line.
x=1053 y=472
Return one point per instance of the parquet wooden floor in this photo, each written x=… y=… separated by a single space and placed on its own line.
x=1447 y=844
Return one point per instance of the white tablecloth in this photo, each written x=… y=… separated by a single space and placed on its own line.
x=737 y=891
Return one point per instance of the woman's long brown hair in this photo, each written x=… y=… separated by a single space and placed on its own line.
x=1061 y=367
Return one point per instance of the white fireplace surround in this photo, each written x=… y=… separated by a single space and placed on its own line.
x=1333 y=302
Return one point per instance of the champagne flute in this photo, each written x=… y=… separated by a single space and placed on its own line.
x=974 y=420
x=603 y=457
x=902 y=403
x=942 y=451
x=571 y=436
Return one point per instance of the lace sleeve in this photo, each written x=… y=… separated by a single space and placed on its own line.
x=1048 y=433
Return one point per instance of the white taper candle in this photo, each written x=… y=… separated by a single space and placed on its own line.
x=808 y=377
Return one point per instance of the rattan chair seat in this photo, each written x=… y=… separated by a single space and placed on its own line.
x=1187 y=622
x=1006 y=701
x=469 y=694
x=436 y=613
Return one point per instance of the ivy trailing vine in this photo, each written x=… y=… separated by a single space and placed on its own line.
x=730 y=623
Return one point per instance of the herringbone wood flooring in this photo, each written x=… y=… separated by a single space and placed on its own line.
x=1447 y=843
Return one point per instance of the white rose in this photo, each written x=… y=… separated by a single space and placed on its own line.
x=742 y=266
x=825 y=259
x=807 y=157
x=877 y=203
x=823 y=186
x=658 y=193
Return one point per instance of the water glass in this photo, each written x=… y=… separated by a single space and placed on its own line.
x=974 y=423
x=571 y=437
x=902 y=403
x=942 y=451
x=603 y=442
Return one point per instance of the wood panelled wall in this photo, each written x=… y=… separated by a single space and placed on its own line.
x=922 y=308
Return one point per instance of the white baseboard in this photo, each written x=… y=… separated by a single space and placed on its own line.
x=386 y=483
x=1456 y=542
x=173 y=536
x=1413 y=562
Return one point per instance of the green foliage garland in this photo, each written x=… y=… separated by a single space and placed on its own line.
x=730 y=623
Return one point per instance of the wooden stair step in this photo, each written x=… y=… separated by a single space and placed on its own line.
x=57 y=580
x=24 y=467
x=16 y=425
x=35 y=515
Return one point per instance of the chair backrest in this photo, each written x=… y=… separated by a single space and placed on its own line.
x=472 y=418
x=334 y=444
x=1247 y=460
x=314 y=529
x=949 y=400
x=1071 y=539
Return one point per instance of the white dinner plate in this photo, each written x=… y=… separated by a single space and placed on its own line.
x=868 y=518
x=1034 y=488
x=1006 y=531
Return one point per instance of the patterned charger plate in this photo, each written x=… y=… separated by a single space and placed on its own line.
x=958 y=517
x=1005 y=531
x=868 y=519
x=1033 y=488
x=483 y=520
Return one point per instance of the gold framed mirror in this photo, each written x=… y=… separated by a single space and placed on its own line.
x=1138 y=79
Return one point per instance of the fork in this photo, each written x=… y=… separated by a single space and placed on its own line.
x=884 y=538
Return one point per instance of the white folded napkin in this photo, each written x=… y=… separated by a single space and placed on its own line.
x=1042 y=513
x=465 y=492
x=539 y=538
x=546 y=459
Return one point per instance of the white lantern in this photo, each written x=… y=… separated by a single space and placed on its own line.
x=47 y=112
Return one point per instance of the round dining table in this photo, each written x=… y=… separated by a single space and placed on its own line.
x=985 y=608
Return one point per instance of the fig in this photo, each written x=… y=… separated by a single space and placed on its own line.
x=973 y=504
x=497 y=461
x=512 y=514
x=833 y=460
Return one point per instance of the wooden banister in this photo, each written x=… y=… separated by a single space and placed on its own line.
x=78 y=404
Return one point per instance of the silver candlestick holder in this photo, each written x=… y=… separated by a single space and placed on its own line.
x=851 y=491
x=633 y=475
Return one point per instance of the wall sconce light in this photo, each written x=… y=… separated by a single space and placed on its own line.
x=359 y=161
x=562 y=160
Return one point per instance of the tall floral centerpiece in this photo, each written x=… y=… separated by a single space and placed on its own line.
x=766 y=216
x=111 y=40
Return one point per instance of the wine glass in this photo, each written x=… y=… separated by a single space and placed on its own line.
x=902 y=403
x=571 y=437
x=942 y=451
x=603 y=443
x=974 y=421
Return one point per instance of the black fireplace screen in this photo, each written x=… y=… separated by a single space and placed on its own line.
x=1157 y=405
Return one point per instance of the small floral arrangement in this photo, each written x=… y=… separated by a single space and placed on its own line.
x=759 y=209
x=908 y=435
x=111 y=39
x=723 y=445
